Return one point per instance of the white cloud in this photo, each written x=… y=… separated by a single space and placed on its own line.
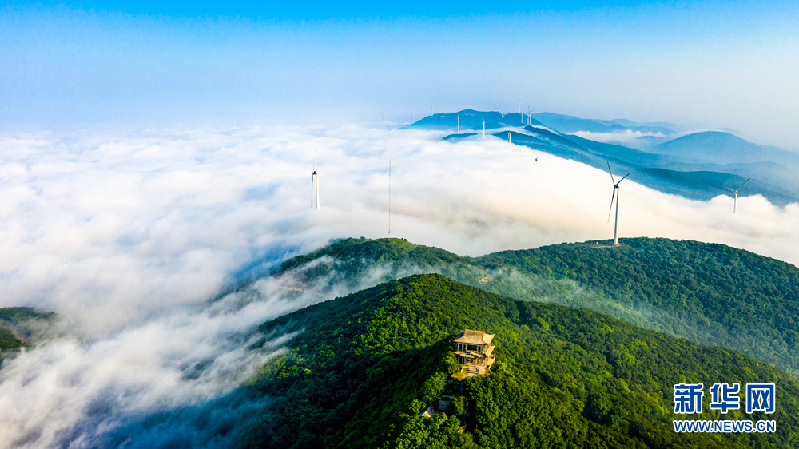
x=127 y=237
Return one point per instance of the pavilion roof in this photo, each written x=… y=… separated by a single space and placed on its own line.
x=471 y=337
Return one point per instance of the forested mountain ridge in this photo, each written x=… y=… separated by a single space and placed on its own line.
x=712 y=294
x=709 y=293
x=361 y=368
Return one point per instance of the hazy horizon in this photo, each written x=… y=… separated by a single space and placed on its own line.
x=699 y=64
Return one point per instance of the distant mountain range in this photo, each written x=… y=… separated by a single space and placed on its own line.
x=472 y=119
x=569 y=124
x=699 y=165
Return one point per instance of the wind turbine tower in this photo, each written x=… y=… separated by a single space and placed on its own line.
x=459 y=124
x=615 y=197
x=315 y=185
x=484 y=129
x=735 y=196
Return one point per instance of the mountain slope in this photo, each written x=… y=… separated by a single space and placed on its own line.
x=710 y=294
x=362 y=367
x=715 y=294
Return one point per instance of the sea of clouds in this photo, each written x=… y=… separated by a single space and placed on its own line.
x=129 y=235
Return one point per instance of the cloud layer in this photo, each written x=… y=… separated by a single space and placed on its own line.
x=127 y=237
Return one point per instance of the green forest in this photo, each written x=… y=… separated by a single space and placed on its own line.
x=708 y=293
x=360 y=369
x=13 y=322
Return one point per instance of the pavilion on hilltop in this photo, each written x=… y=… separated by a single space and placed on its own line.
x=474 y=350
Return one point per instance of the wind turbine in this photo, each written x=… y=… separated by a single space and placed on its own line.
x=735 y=193
x=315 y=184
x=484 y=129
x=459 y=123
x=615 y=197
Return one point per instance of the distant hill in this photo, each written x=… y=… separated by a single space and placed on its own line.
x=459 y=136
x=698 y=166
x=630 y=123
x=774 y=172
x=570 y=124
x=360 y=370
x=723 y=148
x=472 y=120
x=711 y=294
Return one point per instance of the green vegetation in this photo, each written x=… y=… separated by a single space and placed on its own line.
x=15 y=329
x=707 y=293
x=360 y=369
x=351 y=261
x=8 y=341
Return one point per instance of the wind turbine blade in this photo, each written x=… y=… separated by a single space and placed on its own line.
x=611 y=176
x=622 y=179
x=747 y=180
x=610 y=209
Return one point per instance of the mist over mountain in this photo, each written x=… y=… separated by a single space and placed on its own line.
x=154 y=249
x=19 y=329
x=364 y=367
x=219 y=227
x=699 y=165
x=710 y=294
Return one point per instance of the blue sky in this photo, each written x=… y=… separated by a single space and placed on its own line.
x=705 y=64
